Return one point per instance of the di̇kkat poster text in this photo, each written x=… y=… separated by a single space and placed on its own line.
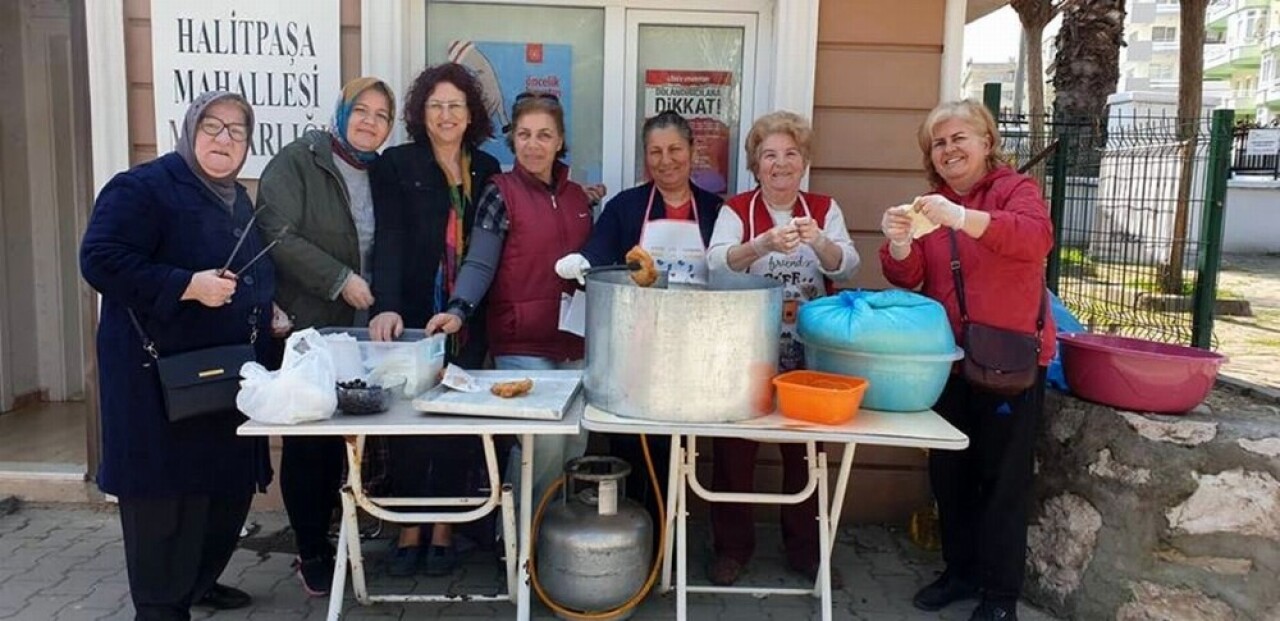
x=507 y=69
x=705 y=98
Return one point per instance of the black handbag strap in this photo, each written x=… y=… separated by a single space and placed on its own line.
x=150 y=345
x=964 y=311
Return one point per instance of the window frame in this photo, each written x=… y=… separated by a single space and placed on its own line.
x=393 y=46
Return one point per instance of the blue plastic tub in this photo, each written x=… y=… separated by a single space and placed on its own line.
x=897 y=382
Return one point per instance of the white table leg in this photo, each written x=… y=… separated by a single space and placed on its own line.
x=824 y=537
x=526 y=524
x=682 y=528
x=337 y=589
x=673 y=479
x=842 y=484
x=354 y=554
x=509 y=540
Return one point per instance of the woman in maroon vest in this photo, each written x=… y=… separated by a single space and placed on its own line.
x=800 y=239
x=526 y=220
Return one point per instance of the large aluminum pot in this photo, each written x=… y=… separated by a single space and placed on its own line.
x=683 y=353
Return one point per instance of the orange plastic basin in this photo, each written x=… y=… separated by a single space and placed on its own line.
x=818 y=397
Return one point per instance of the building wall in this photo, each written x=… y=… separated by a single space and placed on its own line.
x=877 y=78
x=20 y=376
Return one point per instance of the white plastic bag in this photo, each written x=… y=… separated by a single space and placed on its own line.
x=301 y=391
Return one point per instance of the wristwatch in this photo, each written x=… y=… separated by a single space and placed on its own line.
x=462 y=306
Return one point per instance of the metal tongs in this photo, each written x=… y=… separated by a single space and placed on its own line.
x=629 y=266
x=240 y=242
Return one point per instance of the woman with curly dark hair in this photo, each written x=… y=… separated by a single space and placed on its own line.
x=424 y=196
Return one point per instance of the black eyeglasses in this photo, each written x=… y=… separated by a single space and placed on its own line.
x=213 y=126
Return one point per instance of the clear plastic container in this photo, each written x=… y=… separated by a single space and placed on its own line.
x=414 y=358
x=898 y=382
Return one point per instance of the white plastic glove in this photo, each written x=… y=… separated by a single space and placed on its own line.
x=781 y=239
x=896 y=226
x=573 y=267
x=941 y=211
x=810 y=232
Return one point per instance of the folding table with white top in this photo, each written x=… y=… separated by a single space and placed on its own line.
x=914 y=429
x=404 y=418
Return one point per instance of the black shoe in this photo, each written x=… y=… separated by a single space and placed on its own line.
x=441 y=560
x=316 y=574
x=992 y=611
x=944 y=591
x=223 y=597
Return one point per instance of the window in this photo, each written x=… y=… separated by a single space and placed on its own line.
x=1164 y=34
x=519 y=48
x=1163 y=72
x=1173 y=2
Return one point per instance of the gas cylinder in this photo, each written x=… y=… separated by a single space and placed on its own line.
x=595 y=545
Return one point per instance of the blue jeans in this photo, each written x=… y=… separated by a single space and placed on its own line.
x=550 y=452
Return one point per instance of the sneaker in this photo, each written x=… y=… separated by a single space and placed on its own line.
x=316 y=575
x=995 y=611
x=943 y=592
x=404 y=561
x=441 y=560
x=724 y=571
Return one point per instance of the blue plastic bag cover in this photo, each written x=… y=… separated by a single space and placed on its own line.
x=879 y=322
x=1066 y=322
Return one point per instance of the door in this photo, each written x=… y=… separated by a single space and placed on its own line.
x=702 y=65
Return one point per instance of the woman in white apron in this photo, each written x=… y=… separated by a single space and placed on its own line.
x=799 y=239
x=672 y=219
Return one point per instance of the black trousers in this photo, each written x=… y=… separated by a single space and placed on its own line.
x=310 y=477
x=176 y=547
x=983 y=492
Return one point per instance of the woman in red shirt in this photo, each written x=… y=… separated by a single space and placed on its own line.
x=1003 y=235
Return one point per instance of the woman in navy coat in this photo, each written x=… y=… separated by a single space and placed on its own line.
x=157 y=236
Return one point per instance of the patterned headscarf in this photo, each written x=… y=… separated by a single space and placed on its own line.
x=225 y=188
x=342 y=115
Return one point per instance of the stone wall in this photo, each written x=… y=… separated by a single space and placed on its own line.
x=1148 y=517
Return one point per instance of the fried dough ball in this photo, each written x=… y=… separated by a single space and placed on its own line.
x=508 y=390
x=647 y=274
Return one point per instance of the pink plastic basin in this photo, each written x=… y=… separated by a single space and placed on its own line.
x=1136 y=374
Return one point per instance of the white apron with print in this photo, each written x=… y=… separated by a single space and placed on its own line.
x=802 y=280
x=675 y=245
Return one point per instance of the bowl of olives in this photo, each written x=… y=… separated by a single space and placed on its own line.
x=358 y=397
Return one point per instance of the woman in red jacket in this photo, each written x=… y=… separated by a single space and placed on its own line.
x=526 y=219
x=1001 y=230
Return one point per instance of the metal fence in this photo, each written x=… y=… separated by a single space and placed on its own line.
x=1138 y=216
x=1244 y=163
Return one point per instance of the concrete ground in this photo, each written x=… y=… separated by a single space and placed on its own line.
x=1252 y=343
x=64 y=563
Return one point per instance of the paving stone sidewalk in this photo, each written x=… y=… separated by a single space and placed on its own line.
x=66 y=563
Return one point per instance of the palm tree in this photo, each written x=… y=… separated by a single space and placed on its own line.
x=1035 y=15
x=1086 y=66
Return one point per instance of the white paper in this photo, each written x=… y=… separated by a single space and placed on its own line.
x=573 y=313
x=458 y=379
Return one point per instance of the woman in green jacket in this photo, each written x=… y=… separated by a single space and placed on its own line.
x=314 y=196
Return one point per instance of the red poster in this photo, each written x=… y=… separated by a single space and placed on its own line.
x=706 y=99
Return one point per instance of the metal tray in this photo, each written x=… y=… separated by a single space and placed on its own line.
x=553 y=392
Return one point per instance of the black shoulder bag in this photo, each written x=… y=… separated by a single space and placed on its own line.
x=997 y=360
x=200 y=382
